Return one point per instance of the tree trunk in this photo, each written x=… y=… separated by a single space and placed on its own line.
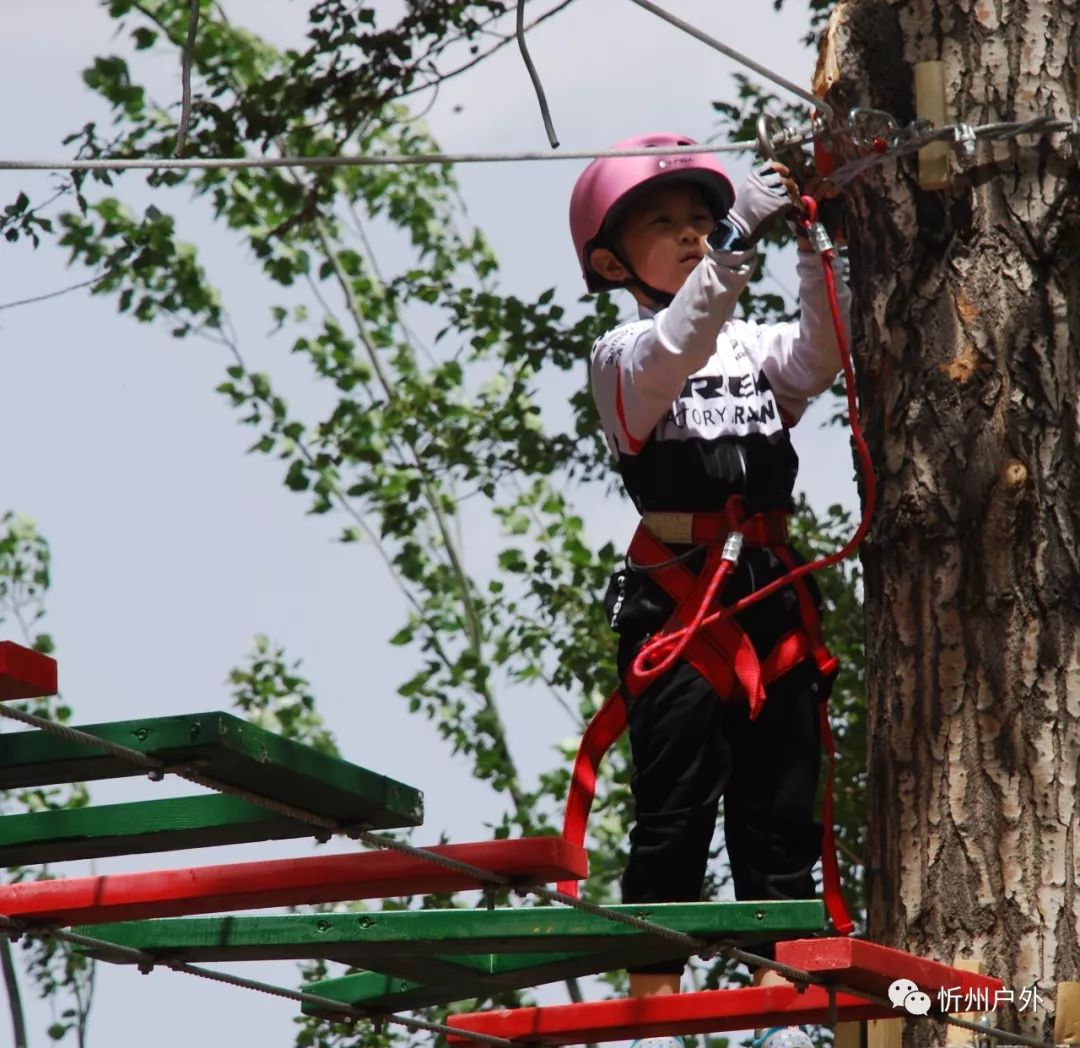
x=967 y=336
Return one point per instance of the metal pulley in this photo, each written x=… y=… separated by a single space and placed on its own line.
x=784 y=145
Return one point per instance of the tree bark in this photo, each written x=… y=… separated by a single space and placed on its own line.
x=968 y=348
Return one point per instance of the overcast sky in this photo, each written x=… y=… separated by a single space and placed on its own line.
x=172 y=548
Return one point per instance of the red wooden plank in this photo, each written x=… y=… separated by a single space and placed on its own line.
x=25 y=674
x=710 y=1011
x=868 y=966
x=284 y=882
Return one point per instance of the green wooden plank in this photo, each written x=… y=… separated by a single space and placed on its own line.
x=362 y=988
x=225 y=748
x=482 y=975
x=139 y=827
x=359 y=939
x=398 y=974
x=428 y=969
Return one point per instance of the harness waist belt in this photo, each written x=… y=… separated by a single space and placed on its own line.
x=685 y=529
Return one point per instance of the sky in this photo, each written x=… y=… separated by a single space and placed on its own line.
x=172 y=547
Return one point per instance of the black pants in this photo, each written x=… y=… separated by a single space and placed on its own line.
x=690 y=748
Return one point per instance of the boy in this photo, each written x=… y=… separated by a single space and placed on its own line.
x=696 y=407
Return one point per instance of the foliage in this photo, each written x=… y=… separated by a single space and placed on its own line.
x=435 y=386
x=273 y=694
x=419 y=427
x=58 y=973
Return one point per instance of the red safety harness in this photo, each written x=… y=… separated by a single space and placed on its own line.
x=707 y=637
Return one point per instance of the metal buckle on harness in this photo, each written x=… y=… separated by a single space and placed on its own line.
x=671 y=527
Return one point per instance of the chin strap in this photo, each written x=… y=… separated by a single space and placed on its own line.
x=660 y=299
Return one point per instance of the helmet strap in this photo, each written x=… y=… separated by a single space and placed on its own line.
x=660 y=299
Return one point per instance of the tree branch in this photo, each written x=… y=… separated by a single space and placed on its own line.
x=11 y=984
x=54 y=294
x=185 y=78
x=472 y=620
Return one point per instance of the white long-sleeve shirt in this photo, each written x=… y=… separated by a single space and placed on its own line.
x=695 y=405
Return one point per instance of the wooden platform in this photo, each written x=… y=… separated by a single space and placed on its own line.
x=420 y=957
x=464 y=977
x=710 y=1011
x=226 y=748
x=855 y=963
x=868 y=966
x=555 y=955
x=218 y=745
x=140 y=827
x=285 y=882
x=365 y=939
x=25 y=673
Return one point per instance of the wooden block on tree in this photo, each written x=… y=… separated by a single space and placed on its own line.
x=957 y=1035
x=710 y=1011
x=930 y=105
x=364 y=939
x=850 y=1035
x=873 y=968
x=1067 y=1013
x=284 y=882
x=25 y=673
x=885 y=1033
x=139 y=827
x=225 y=748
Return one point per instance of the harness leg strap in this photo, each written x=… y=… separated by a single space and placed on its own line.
x=607 y=724
x=721 y=645
x=830 y=863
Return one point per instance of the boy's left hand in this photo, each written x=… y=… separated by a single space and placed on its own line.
x=768 y=193
x=789 y=183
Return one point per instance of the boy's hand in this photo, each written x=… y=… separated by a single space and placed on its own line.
x=768 y=193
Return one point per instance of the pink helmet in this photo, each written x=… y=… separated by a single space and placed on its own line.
x=608 y=181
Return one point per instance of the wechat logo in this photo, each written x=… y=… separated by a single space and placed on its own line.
x=905 y=994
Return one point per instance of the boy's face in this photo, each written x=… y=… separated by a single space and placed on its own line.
x=662 y=236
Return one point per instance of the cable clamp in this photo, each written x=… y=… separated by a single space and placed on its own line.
x=965 y=141
x=915 y=130
x=732 y=547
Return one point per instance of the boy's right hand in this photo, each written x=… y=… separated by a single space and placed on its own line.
x=766 y=194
